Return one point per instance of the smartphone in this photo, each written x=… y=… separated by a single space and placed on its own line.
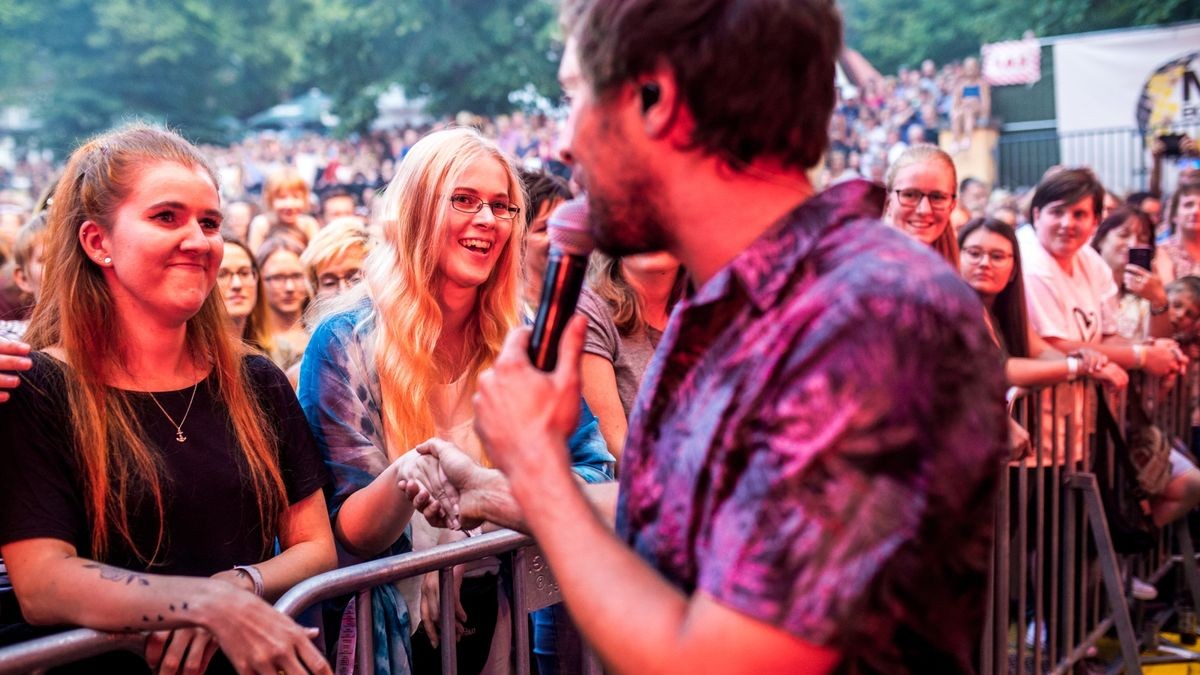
x=1173 y=145
x=1141 y=257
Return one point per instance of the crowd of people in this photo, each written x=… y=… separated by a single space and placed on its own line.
x=875 y=122
x=234 y=368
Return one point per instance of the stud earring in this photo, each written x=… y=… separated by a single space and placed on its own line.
x=107 y=260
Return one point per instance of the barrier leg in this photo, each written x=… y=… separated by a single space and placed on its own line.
x=1086 y=483
x=446 y=622
x=1189 y=561
x=520 y=611
x=364 y=623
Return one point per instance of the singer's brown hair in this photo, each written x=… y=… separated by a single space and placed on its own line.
x=756 y=75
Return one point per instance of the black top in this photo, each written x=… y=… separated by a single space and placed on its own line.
x=210 y=517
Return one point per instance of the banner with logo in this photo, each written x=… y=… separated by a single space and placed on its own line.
x=1142 y=82
x=1012 y=62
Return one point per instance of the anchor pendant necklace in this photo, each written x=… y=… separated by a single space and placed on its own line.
x=178 y=427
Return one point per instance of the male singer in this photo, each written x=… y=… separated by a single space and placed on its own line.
x=809 y=476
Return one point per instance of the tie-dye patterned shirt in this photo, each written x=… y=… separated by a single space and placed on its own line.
x=817 y=441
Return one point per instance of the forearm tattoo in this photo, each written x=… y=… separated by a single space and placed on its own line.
x=109 y=573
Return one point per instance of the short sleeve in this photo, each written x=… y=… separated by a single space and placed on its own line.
x=299 y=460
x=41 y=491
x=602 y=338
x=839 y=507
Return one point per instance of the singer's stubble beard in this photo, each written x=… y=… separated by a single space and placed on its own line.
x=625 y=220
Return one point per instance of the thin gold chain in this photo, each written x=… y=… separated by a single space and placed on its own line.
x=178 y=427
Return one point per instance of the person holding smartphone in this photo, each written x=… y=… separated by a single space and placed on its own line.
x=1125 y=241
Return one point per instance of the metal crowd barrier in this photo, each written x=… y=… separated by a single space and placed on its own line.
x=533 y=588
x=1056 y=584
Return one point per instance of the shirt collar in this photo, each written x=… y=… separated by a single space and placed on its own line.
x=764 y=268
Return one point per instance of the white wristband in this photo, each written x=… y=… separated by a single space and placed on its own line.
x=255 y=577
x=1072 y=368
x=1139 y=356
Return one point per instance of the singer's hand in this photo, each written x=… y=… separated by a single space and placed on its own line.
x=524 y=416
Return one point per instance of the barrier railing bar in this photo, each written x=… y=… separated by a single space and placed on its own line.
x=350 y=579
x=63 y=648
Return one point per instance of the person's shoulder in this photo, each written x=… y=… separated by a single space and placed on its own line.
x=876 y=275
x=593 y=306
x=342 y=324
x=1092 y=261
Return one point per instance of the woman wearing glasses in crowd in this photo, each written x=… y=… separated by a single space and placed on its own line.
x=287 y=296
x=394 y=364
x=152 y=464
x=241 y=288
x=920 y=198
x=991 y=263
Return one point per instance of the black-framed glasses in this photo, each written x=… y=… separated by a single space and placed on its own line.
x=975 y=255
x=332 y=282
x=279 y=280
x=912 y=197
x=245 y=275
x=473 y=204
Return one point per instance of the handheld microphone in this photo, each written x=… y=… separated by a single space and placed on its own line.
x=570 y=244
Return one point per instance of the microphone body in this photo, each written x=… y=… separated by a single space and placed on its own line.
x=566 y=268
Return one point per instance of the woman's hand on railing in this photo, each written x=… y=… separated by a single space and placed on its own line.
x=431 y=606
x=166 y=651
x=1090 y=360
x=1164 y=357
x=257 y=639
x=1112 y=375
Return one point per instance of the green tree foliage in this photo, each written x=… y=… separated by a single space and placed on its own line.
x=83 y=65
x=460 y=54
x=891 y=33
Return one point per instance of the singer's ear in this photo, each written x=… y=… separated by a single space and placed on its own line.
x=658 y=101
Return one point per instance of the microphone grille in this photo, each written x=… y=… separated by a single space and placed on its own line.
x=568 y=228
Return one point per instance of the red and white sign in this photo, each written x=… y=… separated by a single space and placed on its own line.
x=1012 y=62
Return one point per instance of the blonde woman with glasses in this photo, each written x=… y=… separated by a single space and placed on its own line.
x=394 y=364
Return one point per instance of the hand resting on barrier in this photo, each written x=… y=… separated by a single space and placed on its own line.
x=49 y=577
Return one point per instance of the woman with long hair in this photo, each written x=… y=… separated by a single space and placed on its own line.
x=920 y=198
x=990 y=261
x=151 y=465
x=241 y=286
x=627 y=305
x=395 y=359
x=286 y=299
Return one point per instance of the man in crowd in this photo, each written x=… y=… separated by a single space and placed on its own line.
x=810 y=470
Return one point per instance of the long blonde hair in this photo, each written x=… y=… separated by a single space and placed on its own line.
x=78 y=315
x=402 y=277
